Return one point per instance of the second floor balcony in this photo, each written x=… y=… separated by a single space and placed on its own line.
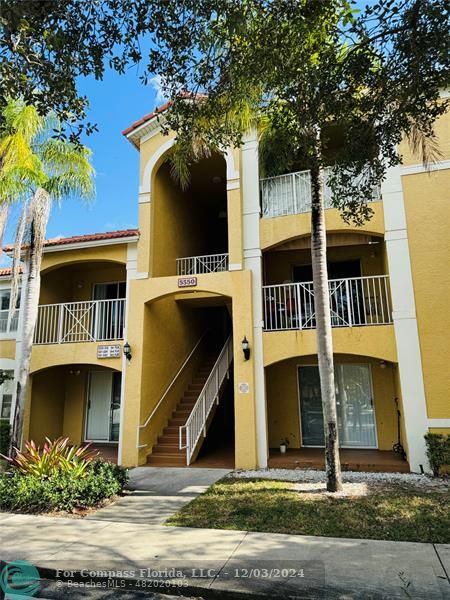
x=71 y=322
x=199 y=265
x=291 y=194
x=356 y=301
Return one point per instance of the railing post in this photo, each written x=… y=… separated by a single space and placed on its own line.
x=188 y=446
x=204 y=414
x=294 y=193
x=60 y=323
x=349 y=304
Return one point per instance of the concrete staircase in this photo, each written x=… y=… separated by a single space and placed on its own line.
x=166 y=452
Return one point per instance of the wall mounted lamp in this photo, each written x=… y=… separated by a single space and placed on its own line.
x=127 y=351
x=245 y=348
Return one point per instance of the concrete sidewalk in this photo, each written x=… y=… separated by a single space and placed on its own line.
x=156 y=493
x=228 y=563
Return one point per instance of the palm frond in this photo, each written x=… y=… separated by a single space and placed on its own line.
x=425 y=145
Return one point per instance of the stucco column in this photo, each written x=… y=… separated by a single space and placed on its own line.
x=405 y=322
x=253 y=262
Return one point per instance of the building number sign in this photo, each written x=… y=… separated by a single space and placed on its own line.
x=108 y=351
x=184 y=282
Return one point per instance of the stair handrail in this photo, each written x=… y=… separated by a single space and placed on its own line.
x=196 y=423
x=167 y=390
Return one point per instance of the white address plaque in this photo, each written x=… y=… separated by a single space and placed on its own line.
x=187 y=282
x=108 y=351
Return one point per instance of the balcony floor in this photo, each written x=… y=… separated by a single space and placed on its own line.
x=375 y=461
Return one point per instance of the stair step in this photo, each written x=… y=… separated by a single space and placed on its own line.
x=177 y=421
x=168 y=449
x=166 y=460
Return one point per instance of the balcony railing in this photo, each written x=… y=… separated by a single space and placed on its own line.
x=291 y=194
x=4 y=329
x=91 y=321
x=354 y=302
x=198 y=265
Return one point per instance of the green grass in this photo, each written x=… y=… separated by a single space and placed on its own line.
x=394 y=513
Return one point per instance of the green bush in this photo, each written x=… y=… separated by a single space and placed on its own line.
x=5 y=435
x=30 y=493
x=438 y=451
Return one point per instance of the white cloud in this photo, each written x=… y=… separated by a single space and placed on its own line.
x=157 y=84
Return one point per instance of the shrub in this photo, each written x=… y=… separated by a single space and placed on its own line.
x=5 y=436
x=438 y=451
x=54 y=457
x=31 y=493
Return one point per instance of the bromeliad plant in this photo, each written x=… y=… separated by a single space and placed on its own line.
x=55 y=457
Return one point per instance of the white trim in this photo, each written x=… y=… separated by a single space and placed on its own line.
x=145 y=187
x=232 y=174
x=253 y=262
x=235 y=267
x=141 y=275
x=405 y=322
x=444 y=423
x=131 y=273
x=233 y=184
x=146 y=130
x=144 y=197
x=419 y=168
x=91 y=244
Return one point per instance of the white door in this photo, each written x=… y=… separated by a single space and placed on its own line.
x=99 y=406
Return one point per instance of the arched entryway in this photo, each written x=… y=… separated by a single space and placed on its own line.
x=78 y=401
x=367 y=397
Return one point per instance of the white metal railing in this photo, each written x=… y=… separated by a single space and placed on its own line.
x=195 y=426
x=167 y=390
x=355 y=301
x=4 y=314
x=91 y=321
x=198 y=265
x=291 y=194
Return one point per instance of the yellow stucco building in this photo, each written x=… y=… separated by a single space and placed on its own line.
x=193 y=336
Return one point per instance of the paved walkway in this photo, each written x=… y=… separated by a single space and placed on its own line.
x=127 y=540
x=155 y=493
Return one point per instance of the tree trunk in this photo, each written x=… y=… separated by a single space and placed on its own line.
x=29 y=309
x=323 y=320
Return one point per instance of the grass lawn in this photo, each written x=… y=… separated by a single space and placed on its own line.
x=381 y=512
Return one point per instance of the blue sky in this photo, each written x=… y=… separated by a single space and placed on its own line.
x=115 y=103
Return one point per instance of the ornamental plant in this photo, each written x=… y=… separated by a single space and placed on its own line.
x=55 y=457
x=438 y=451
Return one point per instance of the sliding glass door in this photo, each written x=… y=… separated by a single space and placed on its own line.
x=354 y=399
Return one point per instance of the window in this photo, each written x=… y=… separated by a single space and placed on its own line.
x=6 y=394
x=5 y=295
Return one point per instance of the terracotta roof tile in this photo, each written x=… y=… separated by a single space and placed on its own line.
x=90 y=237
x=158 y=111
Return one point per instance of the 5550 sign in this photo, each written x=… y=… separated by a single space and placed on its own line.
x=184 y=282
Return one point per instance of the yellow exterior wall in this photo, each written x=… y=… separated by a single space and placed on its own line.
x=75 y=283
x=107 y=252
x=427 y=206
x=283 y=399
x=8 y=349
x=376 y=342
x=278 y=265
x=51 y=355
x=442 y=131
x=276 y=230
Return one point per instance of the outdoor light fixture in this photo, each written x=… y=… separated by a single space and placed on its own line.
x=245 y=348
x=127 y=350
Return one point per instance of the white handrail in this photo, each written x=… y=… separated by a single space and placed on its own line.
x=196 y=423
x=354 y=301
x=85 y=321
x=290 y=194
x=198 y=265
x=167 y=390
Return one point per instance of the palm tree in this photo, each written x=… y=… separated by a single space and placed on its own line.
x=35 y=165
